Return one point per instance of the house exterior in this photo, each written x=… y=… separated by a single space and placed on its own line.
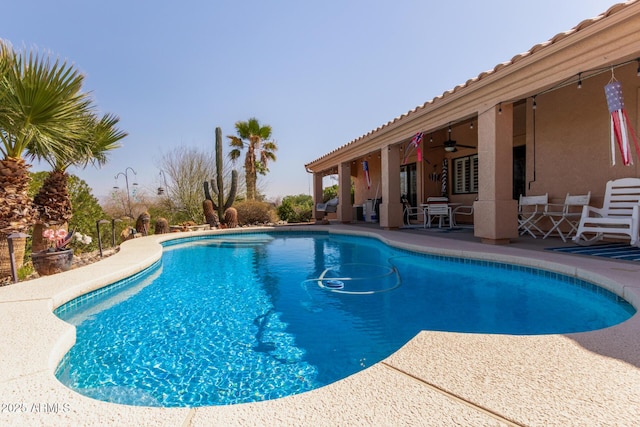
x=536 y=124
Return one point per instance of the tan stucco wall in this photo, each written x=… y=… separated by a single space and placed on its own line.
x=572 y=138
x=362 y=193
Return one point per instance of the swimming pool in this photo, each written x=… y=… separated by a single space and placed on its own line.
x=260 y=316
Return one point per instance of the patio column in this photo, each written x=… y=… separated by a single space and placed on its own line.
x=391 y=207
x=344 y=192
x=496 y=213
x=317 y=196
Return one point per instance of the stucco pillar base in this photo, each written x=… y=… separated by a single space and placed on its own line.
x=496 y=221
x=391 y=215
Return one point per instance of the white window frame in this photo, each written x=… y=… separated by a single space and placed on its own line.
x=465 y=174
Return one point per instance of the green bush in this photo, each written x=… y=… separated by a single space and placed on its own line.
x=329 y=193
x=296 y=208
x=253 y=212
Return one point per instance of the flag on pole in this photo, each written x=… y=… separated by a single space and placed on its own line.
x=413 y=144
x=365 y=166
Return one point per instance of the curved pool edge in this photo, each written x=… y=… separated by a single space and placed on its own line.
x=415 y=383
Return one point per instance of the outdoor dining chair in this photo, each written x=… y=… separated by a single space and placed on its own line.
x=568 y=213
x=409 y=212
x=437 y=207
x=530 y=212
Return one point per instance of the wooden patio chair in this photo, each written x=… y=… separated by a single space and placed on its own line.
x=618 y=217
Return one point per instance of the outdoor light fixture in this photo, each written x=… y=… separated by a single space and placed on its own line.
x=579 y=80
x=500 y=108
x=449 y=144
x=164 y=178
x=638 y=72
x=12 y=259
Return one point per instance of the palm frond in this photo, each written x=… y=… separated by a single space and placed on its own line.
x=46 y=106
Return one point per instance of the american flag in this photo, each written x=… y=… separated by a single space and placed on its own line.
x=417 y=139
x=621 y=129
x=414 y=143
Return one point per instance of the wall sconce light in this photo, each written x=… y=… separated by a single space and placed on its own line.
x=579 y=80
x=535 y=105
x=500 y=108
x=638 y=72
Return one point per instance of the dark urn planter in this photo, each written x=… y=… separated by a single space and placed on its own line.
x=47 y=263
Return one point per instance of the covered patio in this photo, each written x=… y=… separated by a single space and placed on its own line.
x=536 y=124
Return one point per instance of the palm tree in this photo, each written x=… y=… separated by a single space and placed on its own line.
x=42 y=109
x=260 y=151
x=53 y=200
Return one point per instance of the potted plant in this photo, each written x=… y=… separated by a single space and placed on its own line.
x=57 y=257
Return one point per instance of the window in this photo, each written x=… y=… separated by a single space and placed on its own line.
x=408 y=183
x=465 y=175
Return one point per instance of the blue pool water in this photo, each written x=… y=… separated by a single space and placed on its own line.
x=248 y=317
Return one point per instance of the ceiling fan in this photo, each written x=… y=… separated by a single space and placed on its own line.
x=451 y=146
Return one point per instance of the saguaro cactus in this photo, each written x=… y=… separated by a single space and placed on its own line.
x=217 y=185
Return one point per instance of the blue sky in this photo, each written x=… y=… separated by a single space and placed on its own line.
x=321 y=73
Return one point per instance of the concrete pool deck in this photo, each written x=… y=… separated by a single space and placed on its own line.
x=436 y=379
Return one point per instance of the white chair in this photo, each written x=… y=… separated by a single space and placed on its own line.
x=530 y=212
x=461 y=210
x=618 y=217
x=568 y=213
x=410 y=212
x=437 y=207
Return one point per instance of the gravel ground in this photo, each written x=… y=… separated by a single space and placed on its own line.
x=78 y=261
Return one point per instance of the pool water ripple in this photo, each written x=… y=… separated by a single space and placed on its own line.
x=244 y=318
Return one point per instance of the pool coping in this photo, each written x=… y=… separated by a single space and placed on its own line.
x=437 y=378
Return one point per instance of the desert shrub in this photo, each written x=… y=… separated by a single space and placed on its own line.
x=253 y=212
x=329 y=193
x=296 y=208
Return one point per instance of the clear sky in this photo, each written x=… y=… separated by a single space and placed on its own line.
x=321 y=73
